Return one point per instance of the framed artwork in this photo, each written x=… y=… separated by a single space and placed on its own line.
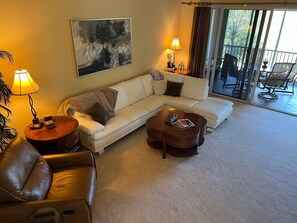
x=101 y=44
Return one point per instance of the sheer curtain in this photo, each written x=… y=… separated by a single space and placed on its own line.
x=199 y=40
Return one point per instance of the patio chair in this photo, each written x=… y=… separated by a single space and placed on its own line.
x=230 y=69
x=275 y=80
x=292 y=78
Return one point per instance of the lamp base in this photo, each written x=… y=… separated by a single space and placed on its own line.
x=36 y=124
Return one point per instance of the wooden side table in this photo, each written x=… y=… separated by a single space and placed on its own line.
x=183 y=72
x=61 y=139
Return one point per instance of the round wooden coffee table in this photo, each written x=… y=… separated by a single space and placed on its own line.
x=170 y=139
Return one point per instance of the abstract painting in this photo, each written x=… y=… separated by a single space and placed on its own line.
x=101 y=44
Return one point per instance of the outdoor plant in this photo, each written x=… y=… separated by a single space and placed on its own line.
x=5 y=132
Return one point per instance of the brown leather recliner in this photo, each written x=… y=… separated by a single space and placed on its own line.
x=31 y=183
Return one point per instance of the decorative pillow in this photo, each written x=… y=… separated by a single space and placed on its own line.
x=173 y=88
x=159 y=87
x=98 y=113
x=156 y=74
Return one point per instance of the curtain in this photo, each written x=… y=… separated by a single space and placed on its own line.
x=199 y=40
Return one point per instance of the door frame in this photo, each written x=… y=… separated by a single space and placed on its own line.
x=219 y=11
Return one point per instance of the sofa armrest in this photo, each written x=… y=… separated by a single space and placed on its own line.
x=68 y=160
x=74 y=210
x=89 y=126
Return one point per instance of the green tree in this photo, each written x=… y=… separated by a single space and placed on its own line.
x=238 y=27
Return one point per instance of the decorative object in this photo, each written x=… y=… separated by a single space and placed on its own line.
x=172 y=117
x=101 y=44
x=156 y=74
x=265 y=62
x=7 y=134
x=23 y=84
x=175 y=45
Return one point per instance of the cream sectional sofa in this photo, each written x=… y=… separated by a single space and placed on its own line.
x=136 y=102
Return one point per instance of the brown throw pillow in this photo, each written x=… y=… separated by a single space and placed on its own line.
x=173 y=88
x=98 y=113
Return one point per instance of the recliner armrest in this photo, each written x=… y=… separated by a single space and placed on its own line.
x=74 y=210
x=68 y=160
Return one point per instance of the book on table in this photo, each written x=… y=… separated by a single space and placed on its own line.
x=183 y=123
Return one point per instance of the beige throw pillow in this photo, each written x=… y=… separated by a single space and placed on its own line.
x=159 y=87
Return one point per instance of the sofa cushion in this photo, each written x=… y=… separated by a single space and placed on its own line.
x=134 y=90
x=163 y=98
x=150 y=103
x=173 y=88
x=159 y=87
x=181 y=103
x=122 y=99
x=173 y=77
x=147 y=82
x=24 y=173
x=89 y=126
x=212 y=108
x=195 y=88
x=114 y=124
x=98 y=113
x=132 y=113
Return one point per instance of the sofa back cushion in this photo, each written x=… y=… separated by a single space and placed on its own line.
x=24 y=173
x=147 y=82
x=122 y=99
x=173 y=77
x=194 y=88
x=134 y=90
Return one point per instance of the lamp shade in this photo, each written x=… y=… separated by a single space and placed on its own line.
x=175 y=45
x=23 y=84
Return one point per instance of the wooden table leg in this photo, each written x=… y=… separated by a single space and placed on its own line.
x=164 y=145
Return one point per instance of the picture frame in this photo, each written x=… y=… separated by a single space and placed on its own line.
x=101 y=44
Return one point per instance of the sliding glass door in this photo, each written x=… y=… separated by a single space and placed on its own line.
x=243 y=43
x=281 y=47
x=237 y=57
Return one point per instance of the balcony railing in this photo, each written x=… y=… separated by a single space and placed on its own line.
x=272 y=56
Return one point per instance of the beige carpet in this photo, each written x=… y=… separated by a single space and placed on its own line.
x=246 y=171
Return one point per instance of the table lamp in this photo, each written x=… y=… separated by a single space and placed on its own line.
x=175 y=45
x=23 y=84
